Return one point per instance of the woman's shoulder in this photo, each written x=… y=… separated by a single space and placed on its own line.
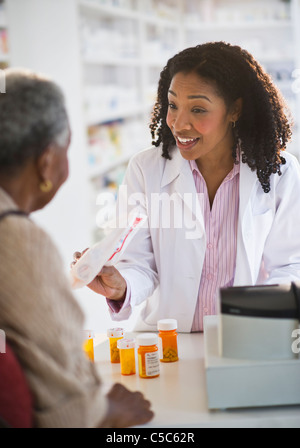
x=26 y=236
x=290 y=169
x=290 y=160
x=151 y=156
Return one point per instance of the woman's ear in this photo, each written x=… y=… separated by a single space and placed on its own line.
x=237 y=109
x=44 y=164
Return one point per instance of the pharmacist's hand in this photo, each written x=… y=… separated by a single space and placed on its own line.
x=126 y=408
x=109 y=283
x=76 y=256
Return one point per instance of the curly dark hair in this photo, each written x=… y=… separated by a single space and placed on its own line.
x=263 y=128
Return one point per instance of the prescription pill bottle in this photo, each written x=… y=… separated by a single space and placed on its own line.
x=167 y=340
x=88 y=343
x=114 y=335
x=127 y=356
x=148 y=359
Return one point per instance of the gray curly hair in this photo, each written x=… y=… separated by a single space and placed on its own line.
x=32 y=116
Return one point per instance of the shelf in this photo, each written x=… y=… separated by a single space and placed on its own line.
x=266 y=25
x=112 y=11
x=116 y=115
x=118 y=12
x=114 y=61
x=101 y=170
x=159 y=21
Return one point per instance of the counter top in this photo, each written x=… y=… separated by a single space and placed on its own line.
x=179 y=397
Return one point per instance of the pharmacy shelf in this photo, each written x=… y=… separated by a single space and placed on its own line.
x=101 y=170
x=92 y=7
x=116 y=115
x=116 y=11
x=159 y=21
x=116 y=62
x=142 y=62
x=268 y=25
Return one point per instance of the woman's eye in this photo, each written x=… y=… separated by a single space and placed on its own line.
x=198 y=110
x=172 y=106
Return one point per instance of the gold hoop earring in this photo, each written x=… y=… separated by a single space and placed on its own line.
x=46 y=186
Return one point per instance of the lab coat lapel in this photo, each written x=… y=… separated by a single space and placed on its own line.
x=178 y=176
x=244 y=273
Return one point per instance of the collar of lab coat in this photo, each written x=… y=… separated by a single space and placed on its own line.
x=178 y=172
x=175 y=167
x=179 y=169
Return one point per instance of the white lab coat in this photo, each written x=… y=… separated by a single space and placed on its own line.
x=163 y=263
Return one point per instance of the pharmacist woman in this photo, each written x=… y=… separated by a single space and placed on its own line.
x=219 y=131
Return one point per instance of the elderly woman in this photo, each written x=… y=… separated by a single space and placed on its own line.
x=39 y=315
x=218 y=166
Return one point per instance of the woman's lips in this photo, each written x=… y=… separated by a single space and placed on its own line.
x=186 y=144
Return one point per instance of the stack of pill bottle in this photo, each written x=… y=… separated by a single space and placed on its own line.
x=167 y=340
x=114 y=335
x=127 y=356
x=148 y=359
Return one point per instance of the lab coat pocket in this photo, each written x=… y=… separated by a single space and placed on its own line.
x=262 y=224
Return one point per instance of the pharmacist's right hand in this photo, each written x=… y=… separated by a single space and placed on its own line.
x=76 y=256
x=126 y=408
x=109 y=283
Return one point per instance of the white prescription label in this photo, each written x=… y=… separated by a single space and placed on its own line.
x=160 y=348
x=152 y=363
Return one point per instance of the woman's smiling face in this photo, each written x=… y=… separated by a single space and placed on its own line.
x=198 y=117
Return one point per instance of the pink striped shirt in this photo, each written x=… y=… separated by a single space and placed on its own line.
x=221 y=239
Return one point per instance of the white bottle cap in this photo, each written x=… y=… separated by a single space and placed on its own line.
x=125 y=343
x=147 y=339
x=88 y=334
x=167 y=324
x=115 y=332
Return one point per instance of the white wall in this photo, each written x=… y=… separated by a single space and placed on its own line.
x=43 y=37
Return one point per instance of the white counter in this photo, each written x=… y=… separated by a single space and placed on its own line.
x=179 y=397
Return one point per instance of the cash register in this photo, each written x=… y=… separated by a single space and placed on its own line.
x=252 y=347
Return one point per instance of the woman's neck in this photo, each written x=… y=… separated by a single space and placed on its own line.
x=19 y=188
x=214 y=167
x=215 y=161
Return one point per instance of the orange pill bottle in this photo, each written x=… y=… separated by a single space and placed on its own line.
x=114 y=335
x=88 y=343
x=167 y=340
x=148 y=359
x=127 y=356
